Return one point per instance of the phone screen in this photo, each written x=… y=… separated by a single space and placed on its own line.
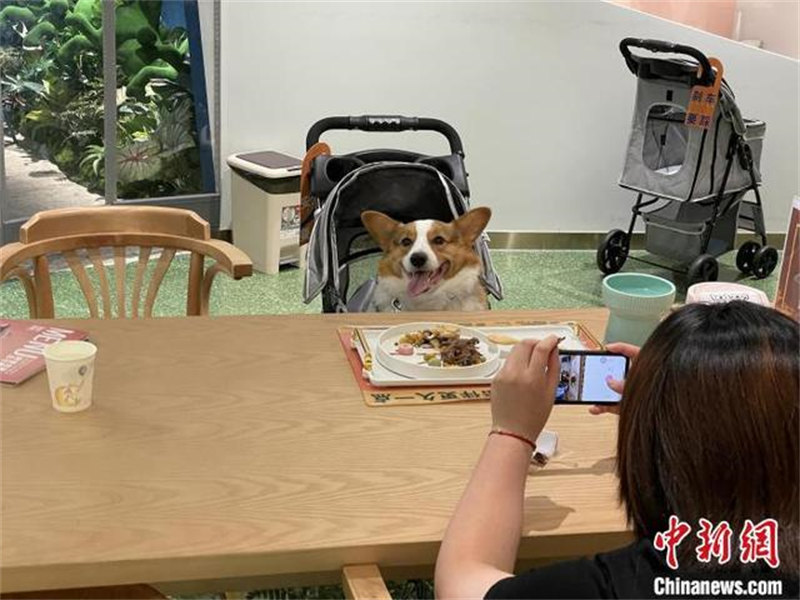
x=583 y=377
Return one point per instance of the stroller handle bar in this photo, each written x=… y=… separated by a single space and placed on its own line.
x=707 y=75
x=386 y=123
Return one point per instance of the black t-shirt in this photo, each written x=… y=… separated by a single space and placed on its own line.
x=636 y=571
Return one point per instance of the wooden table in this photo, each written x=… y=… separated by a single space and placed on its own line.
x=221 y=449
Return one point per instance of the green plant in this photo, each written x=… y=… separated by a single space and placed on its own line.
x=158 y=144
x=137 y=161
x=51 y=69
x=22 y=85
x=93 y=160
x=11 y=60
x=65 y=123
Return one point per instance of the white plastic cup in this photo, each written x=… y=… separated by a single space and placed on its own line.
x=70 y=371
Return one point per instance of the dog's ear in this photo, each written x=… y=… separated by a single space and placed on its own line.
x=472 y=223
x=380 y=227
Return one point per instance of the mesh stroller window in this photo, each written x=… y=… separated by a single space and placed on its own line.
x=361 y=269
x=665 y=139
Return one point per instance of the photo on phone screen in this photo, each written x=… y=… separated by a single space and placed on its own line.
x=583 y=377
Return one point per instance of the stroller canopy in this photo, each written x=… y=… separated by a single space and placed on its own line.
x=669 y=159
x=402 y=190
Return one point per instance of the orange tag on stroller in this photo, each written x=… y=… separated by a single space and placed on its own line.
x=703 y=99
x=307 y=204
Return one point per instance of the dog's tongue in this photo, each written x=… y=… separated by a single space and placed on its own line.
x=418 y=283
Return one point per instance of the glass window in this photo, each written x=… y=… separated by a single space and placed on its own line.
x=163 y=131
x=665 y=139
x=55 y=85
x=51 y=63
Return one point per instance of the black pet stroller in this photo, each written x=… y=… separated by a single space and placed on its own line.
x=404 y=185
x=695 y=179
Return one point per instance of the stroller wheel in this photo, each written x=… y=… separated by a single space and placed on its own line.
x=703 y=268
x=764 y=262
x=613 y=251
x=745 y=256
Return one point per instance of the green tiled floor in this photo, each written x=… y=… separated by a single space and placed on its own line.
x=531 y=279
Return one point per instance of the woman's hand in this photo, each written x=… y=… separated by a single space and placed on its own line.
x=480 y=545
x=626 y=350
x=524 y=390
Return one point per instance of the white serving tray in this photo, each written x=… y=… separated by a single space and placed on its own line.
x=365 y=341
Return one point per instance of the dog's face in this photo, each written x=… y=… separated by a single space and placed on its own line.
x=425 y=253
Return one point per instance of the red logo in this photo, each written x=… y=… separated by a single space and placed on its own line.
x=756 y=541
x=760 y=541
x=671 y=538
x=714 y=542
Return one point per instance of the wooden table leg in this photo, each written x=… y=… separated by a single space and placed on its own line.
x=363 y=582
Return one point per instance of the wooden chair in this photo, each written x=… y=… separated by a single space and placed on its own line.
x=78 y=234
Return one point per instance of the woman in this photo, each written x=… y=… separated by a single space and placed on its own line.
x=708 y=429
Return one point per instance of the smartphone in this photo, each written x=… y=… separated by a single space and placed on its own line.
x=583 y=376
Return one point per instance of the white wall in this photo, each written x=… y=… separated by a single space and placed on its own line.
x=775 y=24
x=538 y=91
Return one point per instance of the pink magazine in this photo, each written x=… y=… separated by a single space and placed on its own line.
x=22 y=344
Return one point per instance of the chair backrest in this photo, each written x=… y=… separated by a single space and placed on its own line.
x=79 y=235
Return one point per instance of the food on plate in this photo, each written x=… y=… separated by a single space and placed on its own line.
x=462 y=352
x=503 y=340
x=436 y=337
x=405 y=349
x=432 y=359
x=441 y=346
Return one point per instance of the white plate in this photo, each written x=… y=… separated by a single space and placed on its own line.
x=414 y=366
x=378 y=375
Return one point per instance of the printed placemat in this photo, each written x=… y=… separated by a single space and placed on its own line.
x=439 y=394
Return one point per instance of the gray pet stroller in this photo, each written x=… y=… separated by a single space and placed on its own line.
x=405 y=185
x=695 y=178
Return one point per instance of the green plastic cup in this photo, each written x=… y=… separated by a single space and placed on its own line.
x=637 y=302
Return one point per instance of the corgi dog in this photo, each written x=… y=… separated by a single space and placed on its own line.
x=427 y=264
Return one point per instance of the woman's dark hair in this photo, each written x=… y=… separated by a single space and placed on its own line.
x=709 y=426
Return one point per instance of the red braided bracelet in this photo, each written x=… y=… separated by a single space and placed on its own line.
x=521 y=438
